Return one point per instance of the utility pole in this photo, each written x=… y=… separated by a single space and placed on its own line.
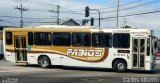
x=117 y=14
x=52 y=12
x=125 y=21
x=58 y=8
x=21 y=10
x=57 y=11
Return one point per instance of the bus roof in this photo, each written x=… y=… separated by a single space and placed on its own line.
x=77 y=28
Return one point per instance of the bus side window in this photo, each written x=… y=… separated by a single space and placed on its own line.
x=81 y=39
x=102 y=40
x=43 y=38
x=121 y=40
x=61 y=39
x=9 y=38
x=30 y=38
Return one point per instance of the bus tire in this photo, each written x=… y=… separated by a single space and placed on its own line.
x=44 y=62
x=120 y=66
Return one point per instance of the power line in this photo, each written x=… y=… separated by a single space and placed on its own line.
x=69 y=12
x=132 y=14
x=149 y=12
x=133 y=7
x=40 y=22
x=105 y=8
x=8 y=22
x=72 y=11
x=37 y=10
x=23 y=17
x=80 y=12
x=107 y=18
x=137 y=14
x=125 y=4
x=43 y=4
x=128 y=8
x=141 y=11
x=10 y=16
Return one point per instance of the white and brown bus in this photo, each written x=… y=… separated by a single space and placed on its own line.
x=120 y=49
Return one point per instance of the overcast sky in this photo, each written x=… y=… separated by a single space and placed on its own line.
x=38 y=12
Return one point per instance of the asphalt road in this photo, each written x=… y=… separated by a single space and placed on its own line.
x=13 y=73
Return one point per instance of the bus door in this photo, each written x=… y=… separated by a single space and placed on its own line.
x=20 y=48
x=138 y=50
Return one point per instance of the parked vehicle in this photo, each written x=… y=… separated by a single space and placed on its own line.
x=158 y=54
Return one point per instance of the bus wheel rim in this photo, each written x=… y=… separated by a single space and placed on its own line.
x=44 y=62
x=120 y=66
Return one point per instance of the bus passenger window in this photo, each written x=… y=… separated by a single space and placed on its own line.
x=61 y=39
x=30 y=38
x=121 y=40
x=9 y=38
x=101 y=40
x=81 y=39
x=43 y=38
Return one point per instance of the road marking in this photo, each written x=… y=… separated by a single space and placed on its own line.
x=4 y=70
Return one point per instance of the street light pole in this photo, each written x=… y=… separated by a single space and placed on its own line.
x=99 y=15
x=99 y=18
x=117 y=14
x=58 y=12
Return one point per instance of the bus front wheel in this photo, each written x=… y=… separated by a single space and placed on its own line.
x=119 y=66
x=44 y=62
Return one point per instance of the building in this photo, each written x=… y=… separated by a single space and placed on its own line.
x=70 y=22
